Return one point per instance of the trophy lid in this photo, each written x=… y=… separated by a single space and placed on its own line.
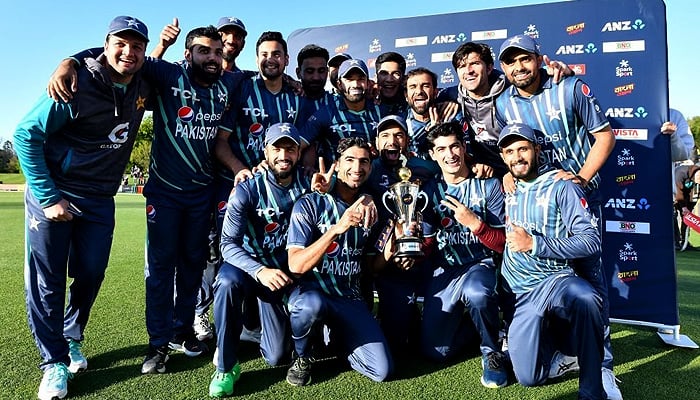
x=404 y=174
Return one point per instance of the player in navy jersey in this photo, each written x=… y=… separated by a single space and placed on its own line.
x=312 y=71
x=333 y=65
x=402 y=281
x=576 y=138
x=328 y=246
x=349 y=115
x=557 y=313
x=421 y=91
x=73 y=155
x=467 y=216
x=255 y=259
x=391 y=76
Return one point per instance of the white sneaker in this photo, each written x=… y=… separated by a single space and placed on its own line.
x=610 y=385
x=562 y=364
x=78 y=362
x=202 y=327
x=54 y=384
x=251 y=336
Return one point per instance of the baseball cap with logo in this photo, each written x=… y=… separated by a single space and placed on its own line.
x=282 y=130
x=350 y=65
x=125 y=23
x=230 y=21
x=522 y=42
x=518 y=131
x=338 y=59
x=390 y=120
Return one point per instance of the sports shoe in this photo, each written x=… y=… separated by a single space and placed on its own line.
x=202 y=327
x=54 y=384
x=299 y=374
x=155 y=360
x=251 y=335
x=610 y=385
x=222 y=382
x=78 y=362
x=188 y=345
x=494 y=375
x=562 y=364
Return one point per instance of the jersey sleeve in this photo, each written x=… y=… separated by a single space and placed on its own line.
x=315 y=125
x=583 y=239
x=495 y=204
x=45 y=118
x=234 y=229
x=587 y=106
x=302 y=224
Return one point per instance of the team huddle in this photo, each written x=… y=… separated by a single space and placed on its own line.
x=265 y=204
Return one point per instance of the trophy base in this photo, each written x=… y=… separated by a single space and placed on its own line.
x=408 y=247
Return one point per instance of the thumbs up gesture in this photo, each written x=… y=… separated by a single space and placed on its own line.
x=517 y=239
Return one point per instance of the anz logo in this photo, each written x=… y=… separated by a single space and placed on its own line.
x=441 y=39
x=628 y=204
x=566 y=49
x=623 y=26
x=626 y=112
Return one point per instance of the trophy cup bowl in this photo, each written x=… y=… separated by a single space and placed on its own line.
x=402 y=200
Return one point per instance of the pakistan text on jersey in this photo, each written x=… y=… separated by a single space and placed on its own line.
x=454 y=238
x=344 y=268
x=196 y=132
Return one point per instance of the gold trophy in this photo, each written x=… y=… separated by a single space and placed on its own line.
x=404 y=197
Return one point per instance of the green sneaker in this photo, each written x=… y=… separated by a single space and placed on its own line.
x=54 y=384
x=78 y=362
x=222 y=382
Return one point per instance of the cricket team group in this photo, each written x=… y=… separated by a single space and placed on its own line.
x=267 y=205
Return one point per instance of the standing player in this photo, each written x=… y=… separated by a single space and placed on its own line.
x=391 y=70
x=556 y=311
x=73 y=154
x=312 y=70
x=468 y=224
x=333 y=65
x=327 y=245
x=576 y=138
x=255 y=258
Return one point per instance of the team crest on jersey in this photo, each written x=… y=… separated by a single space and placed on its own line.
x=185 y=114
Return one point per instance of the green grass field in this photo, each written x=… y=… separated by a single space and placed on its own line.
x=116 y=342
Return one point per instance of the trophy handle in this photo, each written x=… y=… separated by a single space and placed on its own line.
x=384 y=197
x=422 y=194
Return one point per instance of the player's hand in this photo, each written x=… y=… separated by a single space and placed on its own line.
x=508 y=183
x=352 y=217
x=321 y=180
x=517 y=239
x=447 y=110
x=242 y=175
x=558 y=70
x=58 y=212
x=668 y=128
x=482 y=171
x=570 y=176
x=273 y=279
x=262 y=166
x=169 y=34
x=463 y=215
x=63 y=82
x=404 y=263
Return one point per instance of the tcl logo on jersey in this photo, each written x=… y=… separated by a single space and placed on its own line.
x=631 y=134
x=629 y=204
x=255 y=112
x=576 y=28
x=442 y=39
x=623 y=26
x=269 y=212
x=185 y=94
x=626 y=112
x=343 y=128
x=628 y=227
x=577 y=49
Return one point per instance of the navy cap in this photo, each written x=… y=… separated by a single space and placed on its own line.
x=391 y=120
x=338 y=59
x=349 y=65
x=282 y=130
x=230 y=21
x=125 y=23
x=522 y=42
x=517 y=130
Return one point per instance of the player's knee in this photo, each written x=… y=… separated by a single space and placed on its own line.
x=307 y=303
x=228 y=278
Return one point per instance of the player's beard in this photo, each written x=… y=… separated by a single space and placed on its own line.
x=355 y=97
x=528 y=174
x=208 y=77
x=423 y=108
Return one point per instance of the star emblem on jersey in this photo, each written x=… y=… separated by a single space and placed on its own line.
x=553 y=114
x=474 y=199
x=291 y=113
x=222 y=97
x=140 y=103
x=33 y=224
x=541 y=201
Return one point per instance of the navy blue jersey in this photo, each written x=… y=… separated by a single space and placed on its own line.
x=186 y=118
x=257 y=217
x=457 y=244
x=566 y=113
x=338 y=273
x=253 y=109
x=556 y=214
x=330 y=124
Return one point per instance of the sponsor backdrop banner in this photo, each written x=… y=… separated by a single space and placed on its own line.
x=619 y=49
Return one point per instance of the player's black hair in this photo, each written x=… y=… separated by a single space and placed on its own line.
x=209 y=32
x=352 y=141
x=483 y=50
x=421 y=71
x=452 y=128
x=391 y=56
x=271 y=36
x=311 y=51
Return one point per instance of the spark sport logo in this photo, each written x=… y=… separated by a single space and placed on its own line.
x=447 y=76
x=625 y=158
x=410 y=60
x=624 y=69
x=627 y=253
x=532 y=31
x=375 y=46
